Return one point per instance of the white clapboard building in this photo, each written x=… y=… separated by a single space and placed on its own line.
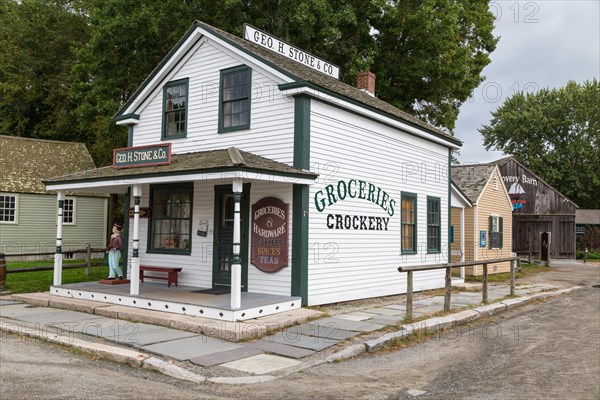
x=335 y=188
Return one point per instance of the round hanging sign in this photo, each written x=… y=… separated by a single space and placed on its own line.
x=270 y=237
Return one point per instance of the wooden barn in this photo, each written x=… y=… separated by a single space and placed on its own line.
x=538 y=207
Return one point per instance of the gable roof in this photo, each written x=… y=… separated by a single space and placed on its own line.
x=501 y=162
x=587 y=216
x=299 y=76
x=222 y=160
x=25 y=163
x=461 y=194
x=471 y=179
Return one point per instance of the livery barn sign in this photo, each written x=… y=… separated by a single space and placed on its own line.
x=270 y=236
x=142 y=156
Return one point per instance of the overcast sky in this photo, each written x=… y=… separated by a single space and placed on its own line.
x=542 y=44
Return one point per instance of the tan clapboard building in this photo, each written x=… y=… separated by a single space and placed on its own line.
x=480 y=204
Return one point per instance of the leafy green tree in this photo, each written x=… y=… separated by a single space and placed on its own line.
x=428 y=54
x=66 y=66
x=38 y=39
x=556 y=133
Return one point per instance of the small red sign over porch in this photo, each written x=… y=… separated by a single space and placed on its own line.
x=142 y=156
x=270 y=236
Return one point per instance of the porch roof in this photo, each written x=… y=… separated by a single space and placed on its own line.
x=226 y=162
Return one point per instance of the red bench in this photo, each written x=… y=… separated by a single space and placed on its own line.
x=171 y=273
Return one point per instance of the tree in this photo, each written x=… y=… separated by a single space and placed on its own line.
x=428 y=54
x=556 y=133
x=38 y=38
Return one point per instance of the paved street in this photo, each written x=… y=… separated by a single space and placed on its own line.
x=541 y=351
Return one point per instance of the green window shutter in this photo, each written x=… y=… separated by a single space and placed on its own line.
x=500 y=233
x=490 y=236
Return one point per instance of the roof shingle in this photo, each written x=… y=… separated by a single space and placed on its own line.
x=25 y=162
x=587 y=216
x=230 y=159
x=471 y=179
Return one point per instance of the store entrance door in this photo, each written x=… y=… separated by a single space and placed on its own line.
x=223 y=235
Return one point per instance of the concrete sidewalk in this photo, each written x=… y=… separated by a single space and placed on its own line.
x=210 y=350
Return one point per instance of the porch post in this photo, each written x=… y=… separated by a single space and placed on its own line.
x=58 y=257
x=236 y=267
x=134 y=286
x=462 y=241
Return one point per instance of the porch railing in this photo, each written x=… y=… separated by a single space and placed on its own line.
x=448 y=279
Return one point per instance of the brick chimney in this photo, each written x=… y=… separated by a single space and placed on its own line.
x=365 y=81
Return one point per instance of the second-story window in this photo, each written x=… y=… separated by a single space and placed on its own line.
x=234 y=108
x=175 y=102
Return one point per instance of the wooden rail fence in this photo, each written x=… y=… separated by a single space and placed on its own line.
x=88 y=263
x=448 y=280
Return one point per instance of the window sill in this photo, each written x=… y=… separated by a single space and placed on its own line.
x=170 y=251
x=434 y=252
x=179 y=136
x=233 y=129
x=408 y=252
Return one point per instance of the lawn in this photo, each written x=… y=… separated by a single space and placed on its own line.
x=40 y=281
x=526 y=269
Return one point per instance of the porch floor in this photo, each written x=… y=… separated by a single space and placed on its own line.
x=181 y=300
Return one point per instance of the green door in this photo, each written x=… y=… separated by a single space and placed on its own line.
x=223 y=235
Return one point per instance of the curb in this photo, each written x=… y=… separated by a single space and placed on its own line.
x=460 y=318
x=112 y=353
x=243 y=380
x=156 y=364
x=146 y=361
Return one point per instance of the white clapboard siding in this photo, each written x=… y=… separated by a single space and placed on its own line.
x=279 y=282
x=353 y=264
x=271 y=132
x=197 y=267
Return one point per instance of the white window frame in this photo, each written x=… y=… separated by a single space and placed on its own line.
x=495 y=224
x=16 y=196
x=74 y=222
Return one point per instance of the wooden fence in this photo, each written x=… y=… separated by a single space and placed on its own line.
x=448 y=281
x=88 y=262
